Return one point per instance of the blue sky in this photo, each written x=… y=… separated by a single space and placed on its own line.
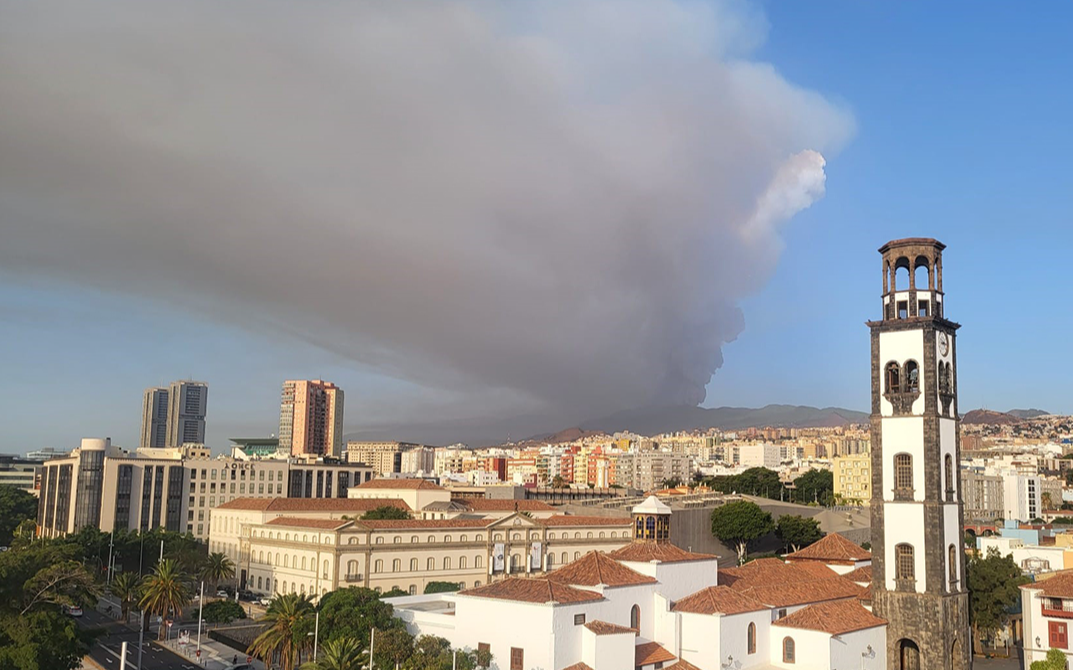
x=962 y=134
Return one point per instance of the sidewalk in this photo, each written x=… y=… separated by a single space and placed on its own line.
x=214 y=655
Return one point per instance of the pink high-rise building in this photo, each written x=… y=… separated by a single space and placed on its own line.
x=311 y=418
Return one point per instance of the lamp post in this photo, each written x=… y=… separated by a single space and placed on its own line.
x=200 y=611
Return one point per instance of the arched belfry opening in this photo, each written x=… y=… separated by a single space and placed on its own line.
x=908 y=655
x=912 y=278
x=652 y=521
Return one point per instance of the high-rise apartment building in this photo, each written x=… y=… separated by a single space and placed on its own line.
x=154 y=418
x=311 y=418
x=187 y=405
x=174 y=416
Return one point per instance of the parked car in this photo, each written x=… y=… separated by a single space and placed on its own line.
x=248 y=596
x=266 y=601
x=73 y=611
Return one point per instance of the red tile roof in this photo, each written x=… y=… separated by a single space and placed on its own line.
x=302 y=522
x=718 y=600
x=432 y=524
x=413 y=484
x=645 y=552
x=578 y=666
x=597 y=568
x=1059 y=586
x=486 y=505
x=789 y=594
x=681 y=665
x=862 y=575
x=831 y=549
x=778 y=584
x=564 y=520
x=837 y=618
x=533 y=591
x=312 y=504
x=648 y=653
x=605 y=628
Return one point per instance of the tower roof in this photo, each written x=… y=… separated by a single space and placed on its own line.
x=652 y=505
x=832 y=548
x=912 y=242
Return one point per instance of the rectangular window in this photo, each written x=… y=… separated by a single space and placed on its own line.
x=1057 y=635
x=903 y=309
x=922 y=308
x=579 y=619
x=517 y=659
x=782 y=612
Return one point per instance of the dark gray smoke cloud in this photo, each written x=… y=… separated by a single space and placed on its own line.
x=562 y=202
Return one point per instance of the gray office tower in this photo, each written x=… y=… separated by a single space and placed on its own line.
x=174 y=416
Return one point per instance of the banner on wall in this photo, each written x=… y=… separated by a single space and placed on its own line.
x=498 y=564
x=535 y=558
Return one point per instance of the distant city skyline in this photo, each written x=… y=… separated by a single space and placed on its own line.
x=936 y=127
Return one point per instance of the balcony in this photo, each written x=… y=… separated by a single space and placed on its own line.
x=1056 y=607
x=352 y=577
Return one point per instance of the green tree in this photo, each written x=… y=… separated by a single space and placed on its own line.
x=1056 y=660
x=126 y=586
x=442 y=587
x=352 y=612
x=216 y=568
x=16 y=506
x=393 y=647
x=740 y=523
x=289 y=619
x=342 y=654
x=165 y=592
x=66 y=583
x=435 y=653
x=815 y=486
x=557 y=482
x=395 y=592
x=797 y=531
x=993 y=582
x=754 y=481
x=386 y=512
x=222 y=611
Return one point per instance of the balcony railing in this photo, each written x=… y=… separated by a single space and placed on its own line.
x=1056 y=607
x=353 y=577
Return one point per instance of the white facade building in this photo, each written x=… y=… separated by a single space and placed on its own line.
x=1021 y=497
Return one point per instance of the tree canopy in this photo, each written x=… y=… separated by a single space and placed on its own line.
x=386 y=512
x=352 y=612
x=993 y=582
x=740 y=523
x=815 y=486
x=754 y=482
x=222 y=611
x=442 y=587
x=16 y=506
x=797 y=531
x=1056 y=660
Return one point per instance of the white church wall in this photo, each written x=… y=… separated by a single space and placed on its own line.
x=851 y=650
x=904 y=522
x=812 y=649
x=530 y=629
x=903 y=435
x=678 y=580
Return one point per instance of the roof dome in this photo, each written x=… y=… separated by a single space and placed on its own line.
x=652 y=505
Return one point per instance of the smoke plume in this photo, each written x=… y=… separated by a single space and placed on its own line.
x=561 y=203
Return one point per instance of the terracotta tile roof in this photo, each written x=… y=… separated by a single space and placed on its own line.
x=486 y=505
x=413 y=484
x=648 y=653
x=302 y=522
x=681 y=665
x=432 y=524
x=862 y=575
x=761 y=572
x=718 y=600
x=564 y=520
x=789 y=594
x=815 y=568
x=836 y=617
x=578 y=666
x=831 y=548
x=312 y=504
x=604 y=628
x=644 y=552
x=597 y=568
x=532 y=591
x=1059 y=586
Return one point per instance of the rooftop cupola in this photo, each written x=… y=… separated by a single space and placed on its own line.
x=912 y=278
x=652 y=521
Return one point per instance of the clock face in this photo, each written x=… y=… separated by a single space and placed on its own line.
x=944 y=344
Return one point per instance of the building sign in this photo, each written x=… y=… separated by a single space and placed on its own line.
x=498 y=564
x=535 y=559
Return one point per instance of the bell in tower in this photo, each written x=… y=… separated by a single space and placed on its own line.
x=918 y=564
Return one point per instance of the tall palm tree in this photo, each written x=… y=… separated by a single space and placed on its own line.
x=165 y=591
x=344 y=653
x=217 y=568
x=289 y=618
x=127 y=587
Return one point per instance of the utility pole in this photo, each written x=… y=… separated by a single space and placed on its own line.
x=200 y=611
x=123 y=656
x=372 y=642
x=141 y=636
x=111 y=542
x=316 y=635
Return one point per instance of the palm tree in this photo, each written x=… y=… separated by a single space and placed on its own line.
x=127 y=587
x=289 y=618
x=344 y=653
x=165 y=591
x=217 y=567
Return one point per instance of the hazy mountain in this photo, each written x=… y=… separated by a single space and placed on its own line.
x=654 y=420
x=987 y=416
x=1027 y=413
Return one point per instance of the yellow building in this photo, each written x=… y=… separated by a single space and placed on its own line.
x=853 y=478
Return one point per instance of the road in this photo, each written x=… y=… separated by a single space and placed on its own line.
x=107 y=648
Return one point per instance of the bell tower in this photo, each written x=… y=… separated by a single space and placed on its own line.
x=918 y=564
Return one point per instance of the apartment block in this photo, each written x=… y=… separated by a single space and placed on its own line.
x=853 y=478
x=311 y=418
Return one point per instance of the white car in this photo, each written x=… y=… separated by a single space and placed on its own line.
x=73 y=611
x=222 y=594
x=265 y=601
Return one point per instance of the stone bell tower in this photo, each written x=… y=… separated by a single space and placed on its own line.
x=918 y=565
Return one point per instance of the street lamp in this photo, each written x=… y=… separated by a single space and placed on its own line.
x=200 y=611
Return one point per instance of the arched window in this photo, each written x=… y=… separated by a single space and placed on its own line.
x=396 y=540
x=949 y=478
x=463 y=538
x=286 y=561
x=413 y=565
x=446 y=562
x=903 y=475
x=303 y=589
x=789 y=651
x=566 y=558
x=268 y=584
x=413 y=589
x=601 y=534
x=431 y=565
x=378 y=567
x=431 y=539
x=477 y=561
x=277 y=559
x=905 y=563
x=912 y=376
x=920 y=276
x=396 y=565
x=461 y=562
x=379 y=540
x=325 y=570
x=893 y=378
x=413 y=539
x=513 y=562
x=551 y=559
x=352 y=540
x=751 y=638
x=258 y=582
x=303 y=562
x=577 y=555
x=261 y=557
x=577 y=536
x=952 y=560
x=352 y=569
x=588 y=535
x=284 y=587
x=635 y=617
